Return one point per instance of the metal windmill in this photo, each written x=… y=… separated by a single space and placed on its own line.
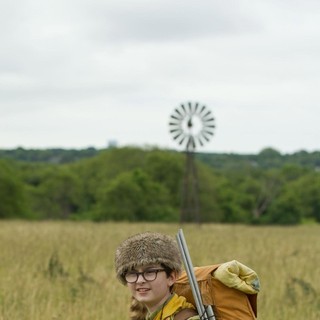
x=191 y=125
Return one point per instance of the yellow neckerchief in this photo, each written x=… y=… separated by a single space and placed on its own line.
x=174 y=304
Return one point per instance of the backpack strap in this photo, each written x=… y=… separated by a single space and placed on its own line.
x=185 y=314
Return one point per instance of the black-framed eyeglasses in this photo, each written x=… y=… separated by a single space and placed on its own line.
x=148 y=275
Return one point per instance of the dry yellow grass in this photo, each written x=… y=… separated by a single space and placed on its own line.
x=64 y=270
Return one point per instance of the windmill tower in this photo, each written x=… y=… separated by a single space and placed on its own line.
x=191 y=125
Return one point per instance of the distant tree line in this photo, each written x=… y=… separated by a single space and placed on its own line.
x=135 y=184
x=268 y=158
x=56 y=155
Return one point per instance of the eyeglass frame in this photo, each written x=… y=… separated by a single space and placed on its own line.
x=137 y=274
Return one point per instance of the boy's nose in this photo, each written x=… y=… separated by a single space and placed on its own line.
x=142 y=278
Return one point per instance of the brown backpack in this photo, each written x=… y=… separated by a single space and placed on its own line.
x=185 y=314
x=227 y=303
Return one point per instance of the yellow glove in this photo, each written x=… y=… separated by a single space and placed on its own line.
x=236 y=275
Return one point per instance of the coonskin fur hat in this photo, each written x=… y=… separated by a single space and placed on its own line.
x=147 y=248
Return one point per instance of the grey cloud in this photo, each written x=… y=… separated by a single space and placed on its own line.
x=167 y=20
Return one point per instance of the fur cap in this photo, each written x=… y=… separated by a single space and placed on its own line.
x=147 y=248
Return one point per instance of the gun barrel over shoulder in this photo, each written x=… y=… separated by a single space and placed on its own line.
x=205 y=312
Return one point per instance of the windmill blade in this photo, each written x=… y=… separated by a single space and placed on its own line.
x=196 y=107
x=178 y=135
x=184 y=109
x=206 y=114
x=210 y=128
x=209 y=125
x=174 y=123
x=205 y=137
x=175 y=130
x=199 y=140
x=207 y=120
x=175 y=117
x=206 y=129
x=180 y=115
x=208 y=132
x=182 y=140
x=202 y=109
x=190 y=107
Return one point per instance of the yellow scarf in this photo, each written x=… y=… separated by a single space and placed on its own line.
x=175 y=304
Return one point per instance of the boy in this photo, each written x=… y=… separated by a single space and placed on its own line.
x=149 y=264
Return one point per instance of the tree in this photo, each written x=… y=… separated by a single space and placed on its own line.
x=58 y=194
x=307 y=188
x=268 y=188
x=134 y=196
x=167 y=169
x=13 y=202
x=269 y=158
x=235 y=198
x=284 y=210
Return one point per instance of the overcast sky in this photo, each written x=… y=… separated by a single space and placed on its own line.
x=78 y=74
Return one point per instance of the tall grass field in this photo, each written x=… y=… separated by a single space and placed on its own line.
x=65 y=270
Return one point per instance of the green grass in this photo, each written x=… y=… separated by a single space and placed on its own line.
x=64 y=270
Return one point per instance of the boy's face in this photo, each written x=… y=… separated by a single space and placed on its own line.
x=152 y=293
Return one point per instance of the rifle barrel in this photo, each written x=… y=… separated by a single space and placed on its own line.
x=205 y=312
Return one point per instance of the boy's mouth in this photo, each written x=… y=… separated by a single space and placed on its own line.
x=143 y=289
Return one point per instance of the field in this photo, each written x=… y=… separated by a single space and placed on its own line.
x=64 y=270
